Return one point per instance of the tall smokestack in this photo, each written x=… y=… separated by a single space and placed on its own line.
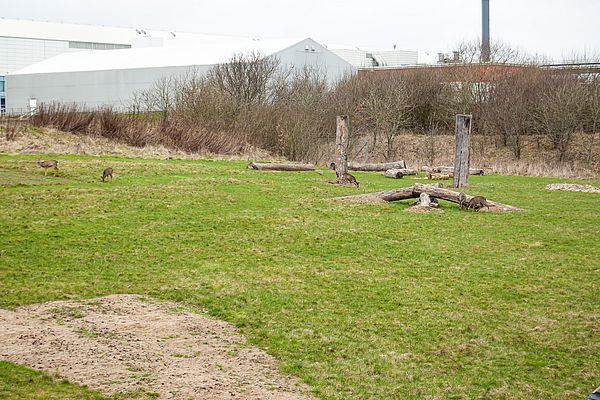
x=485 y=30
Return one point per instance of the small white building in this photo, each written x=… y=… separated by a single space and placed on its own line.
x=374 y=58
x=111 y=78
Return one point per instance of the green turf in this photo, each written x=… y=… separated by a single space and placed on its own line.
x=360 y=301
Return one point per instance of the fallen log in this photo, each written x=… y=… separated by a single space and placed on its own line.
x=381 y=197
x=439 y=177
x=281 y=167
x=393 y=173
x=449 y=170
x=377 y=167
x=435 y=191
x=452 y=196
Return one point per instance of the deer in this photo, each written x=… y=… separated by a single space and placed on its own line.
x=107 y=173
x=477 y=203
x=49 y=164
x=351 y=179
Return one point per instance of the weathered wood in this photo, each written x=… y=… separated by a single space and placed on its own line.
x=425 y=200
x=461 y=154
x=435 y=191
x=393 y=173
x=281 y=167
x=342 y=135
x=398 y=173
x=381 y=197
x=438 y=177
x=451 y=195
x=450 y=170
x=377 y=167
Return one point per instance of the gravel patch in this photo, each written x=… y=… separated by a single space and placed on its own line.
x=571 y=187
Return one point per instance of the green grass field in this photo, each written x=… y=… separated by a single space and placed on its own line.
x=360 y=301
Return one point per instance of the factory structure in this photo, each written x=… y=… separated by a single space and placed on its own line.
x=96 y=66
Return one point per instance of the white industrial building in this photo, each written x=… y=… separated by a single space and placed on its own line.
x=373 y=58
x=57 y=62
x=111 y=78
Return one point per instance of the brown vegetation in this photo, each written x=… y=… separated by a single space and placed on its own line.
x=525 y=117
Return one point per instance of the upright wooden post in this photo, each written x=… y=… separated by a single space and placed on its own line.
x=461 y=154
x=342 y=135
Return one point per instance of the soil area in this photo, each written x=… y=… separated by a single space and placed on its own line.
x=571 y=187
x=127 y=343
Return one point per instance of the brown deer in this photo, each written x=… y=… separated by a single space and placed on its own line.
x=478 y=202
x=49 y=164
x=107 y=173
x=350 y=179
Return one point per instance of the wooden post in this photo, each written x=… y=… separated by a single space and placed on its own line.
x=461 y=155
x=342 y=135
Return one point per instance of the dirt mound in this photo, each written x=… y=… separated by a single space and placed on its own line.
x=571 y=187
x=125 y=343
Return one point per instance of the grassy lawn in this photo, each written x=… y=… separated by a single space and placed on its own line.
x=360 y=301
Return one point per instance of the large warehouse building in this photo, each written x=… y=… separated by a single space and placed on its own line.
x=94 y=79
x=56 y=62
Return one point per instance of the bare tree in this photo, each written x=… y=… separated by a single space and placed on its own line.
x=245 y=77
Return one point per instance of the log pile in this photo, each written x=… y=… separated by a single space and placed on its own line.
x=281 y=167
x=434 y=191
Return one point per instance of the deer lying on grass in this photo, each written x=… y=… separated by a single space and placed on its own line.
x=347 y=178
x=49 y=164
x=107 y=173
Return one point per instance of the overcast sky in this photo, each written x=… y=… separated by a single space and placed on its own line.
x=556 y=28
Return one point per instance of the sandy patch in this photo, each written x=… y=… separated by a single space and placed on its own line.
x=571 y=187
x=123 y=343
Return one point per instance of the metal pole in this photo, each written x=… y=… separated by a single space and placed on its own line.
x=485 y=30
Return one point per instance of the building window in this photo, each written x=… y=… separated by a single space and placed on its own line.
x=97 y=46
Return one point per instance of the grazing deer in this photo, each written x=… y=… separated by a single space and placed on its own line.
x=462 y=199
x=350 y=179
x=49 y=164
x=107 y=173
x=478 y=202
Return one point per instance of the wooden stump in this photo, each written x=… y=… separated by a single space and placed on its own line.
x=342 y=135
x=461 y=154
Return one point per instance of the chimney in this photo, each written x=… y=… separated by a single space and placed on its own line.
x=485 y=31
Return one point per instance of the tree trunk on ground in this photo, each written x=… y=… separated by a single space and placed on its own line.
x=433 y=190
x=450 y=170
x=461 y=154
x=377 y=167
x=281 y=167
x=398 y=173
x=393 y=173
x=451 y=195
x=342 y=136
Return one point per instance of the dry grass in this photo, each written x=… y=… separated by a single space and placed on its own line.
x=52 y=141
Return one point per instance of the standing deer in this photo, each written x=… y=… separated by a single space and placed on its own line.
x=107 y=173
x=49 y=164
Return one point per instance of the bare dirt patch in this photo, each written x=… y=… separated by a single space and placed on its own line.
x=571 y=187
x=125 y=343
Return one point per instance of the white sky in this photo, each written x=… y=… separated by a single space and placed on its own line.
x=557 y=28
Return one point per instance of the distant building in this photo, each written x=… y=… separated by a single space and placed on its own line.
x=111 y=78
x=373 y=58
x=48 y=61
